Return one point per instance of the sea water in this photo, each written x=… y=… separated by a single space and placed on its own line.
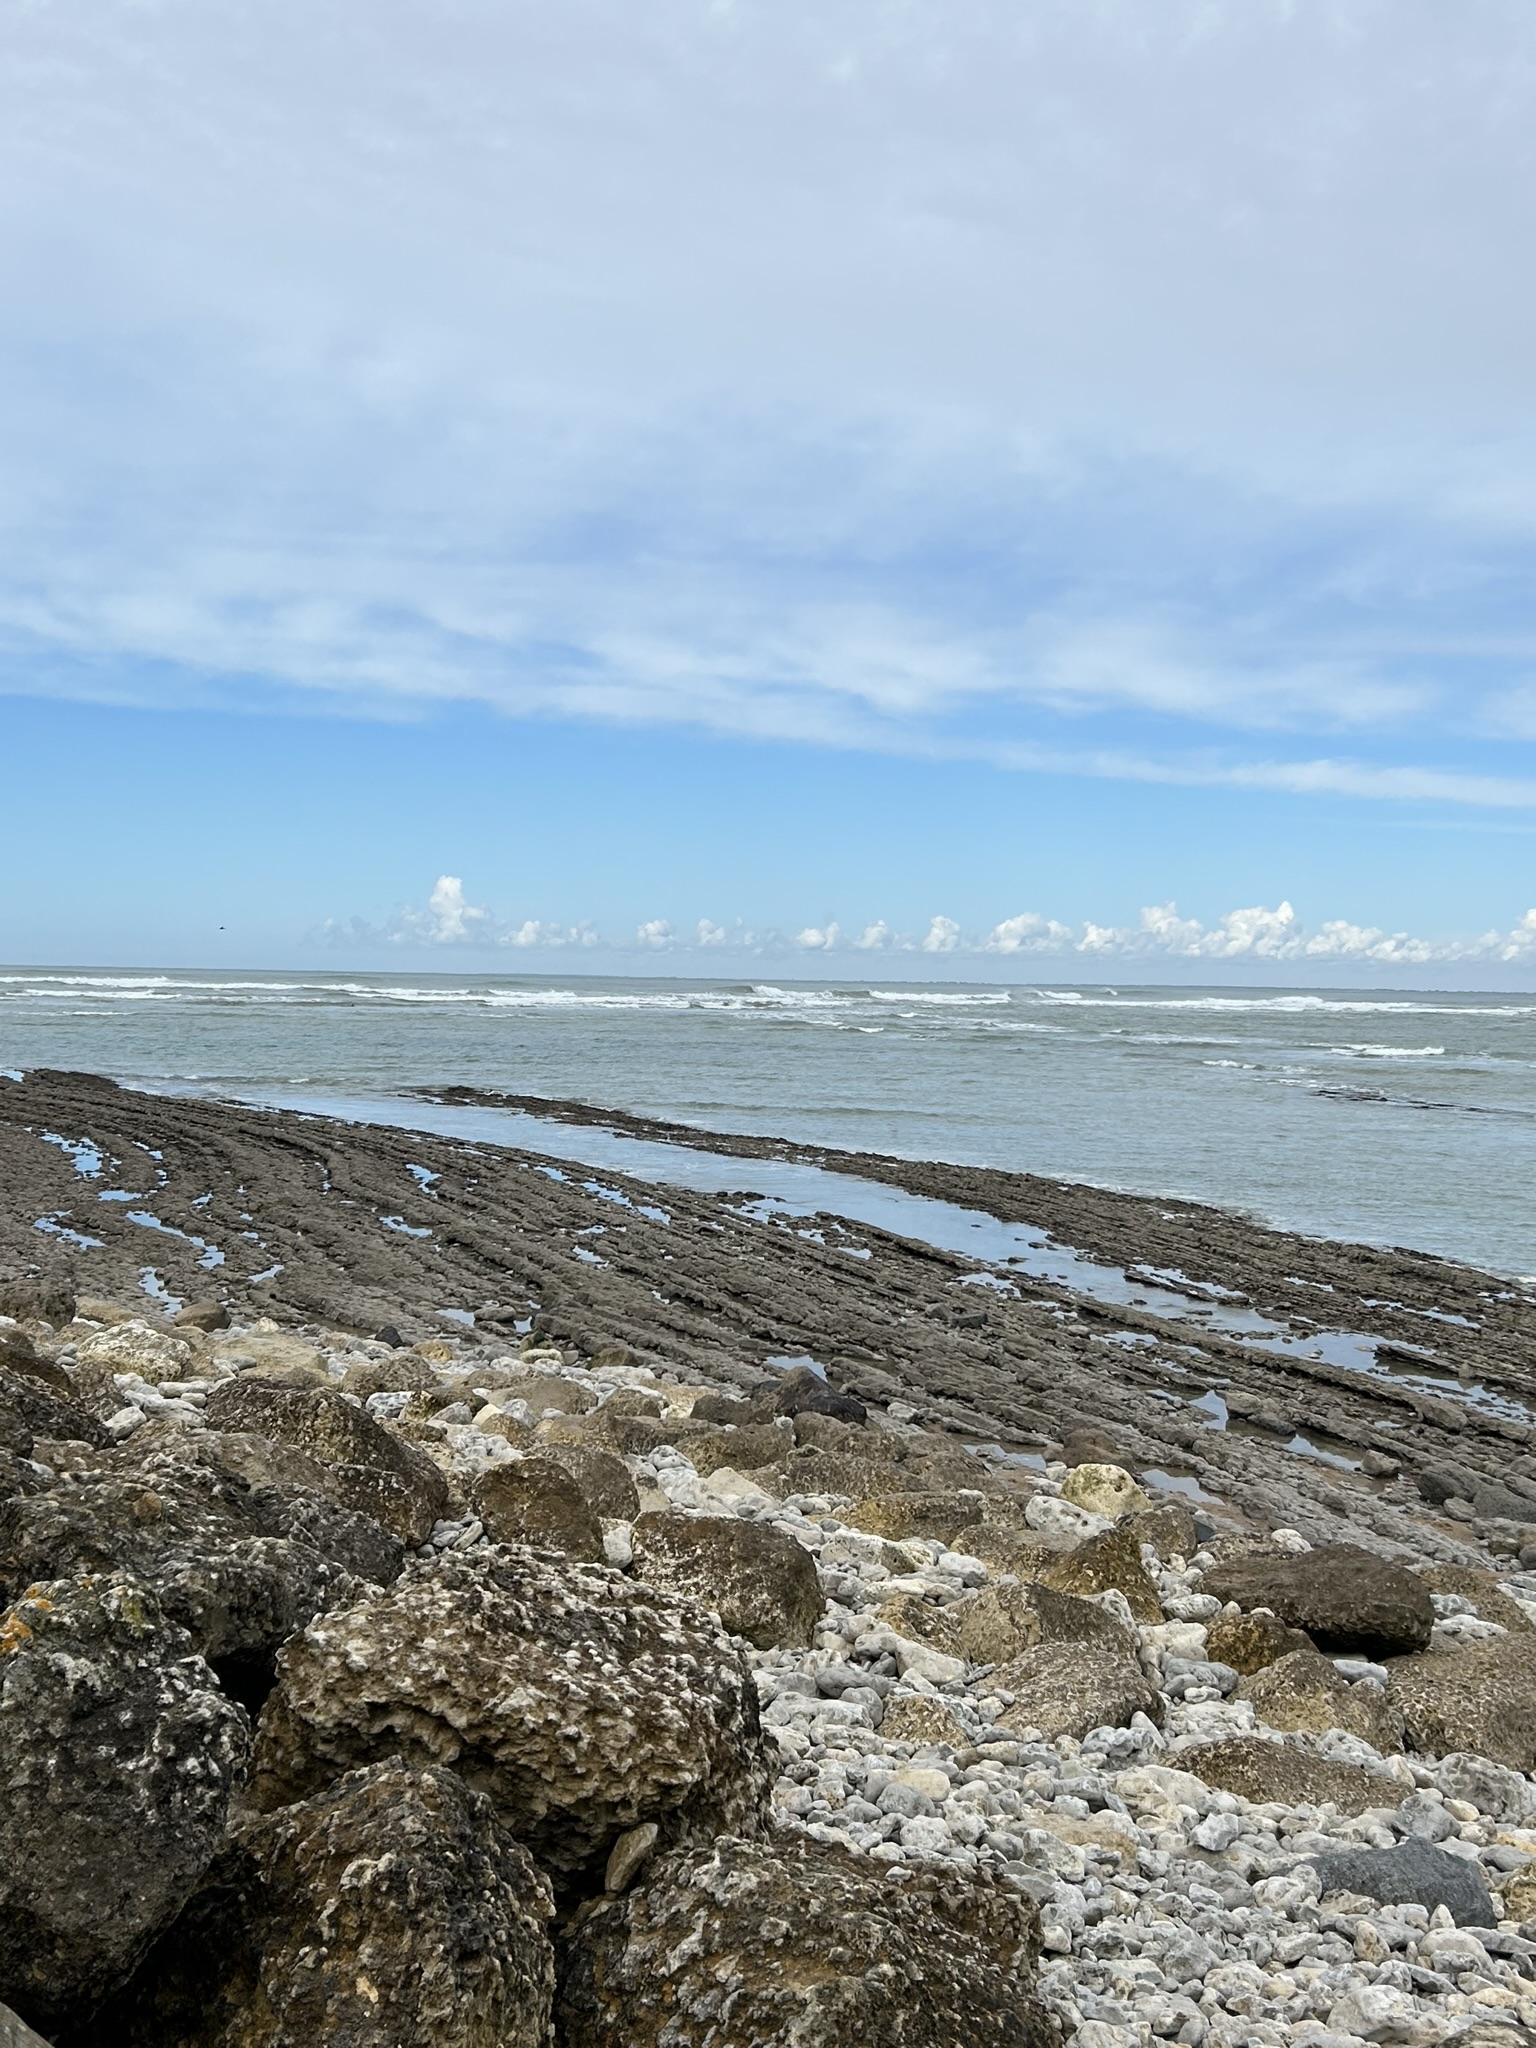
x=1399 y=1118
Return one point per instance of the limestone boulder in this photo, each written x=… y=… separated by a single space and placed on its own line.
x=1279 y=1772
x=1003 y=1621
x=536 y=1501
x=942 y=1516
x=1350 y=1601
x=1480 y=1698
x=393 y=1907
x=603 y=1478
x=137 y=1347
x=239 y=1568
x=760 y=1582
x=1111 y=1562
x=1250 y=1642
x=118 y=1754
x=744 y=1450
x=1107 y=1490
x=580 y=1703
x=798 y=1944
x=368 y=1468
x=1302 y=1693
x=1067 y=1688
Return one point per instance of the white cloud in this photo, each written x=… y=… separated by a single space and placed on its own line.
x=1252 y=934
x=1103 y=368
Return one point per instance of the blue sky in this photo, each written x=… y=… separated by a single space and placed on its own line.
x=548 y=488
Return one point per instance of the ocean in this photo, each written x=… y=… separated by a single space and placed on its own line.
x=1396 y=1118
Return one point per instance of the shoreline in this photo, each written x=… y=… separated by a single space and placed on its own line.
x=349 y=1225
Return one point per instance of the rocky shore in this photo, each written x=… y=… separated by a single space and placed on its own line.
x=415 y=1631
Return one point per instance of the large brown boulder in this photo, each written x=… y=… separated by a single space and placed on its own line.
x=367 y=1467
x=239 y=1568
x=31 y=1409
x=580 y=1703
x=760 y=1582
x=1349 y=1601
x=944 y=1517
x=1277 y=1772
x=1249 y=1642
x=1481 y=1698
x=603 y=1477
x=536 y=1501
x=798 y=1944
x=1005 y=1620
x=1303 y=1694
x=118 y=1754
x=744 y=1450
x=391 y=1908
x=1068 y=1688
x=1111 y=1562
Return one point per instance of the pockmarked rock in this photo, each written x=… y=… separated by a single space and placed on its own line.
x=28 y=1409
x=1414 y=1873
x=536 y=1501
x=797 y=1944
x=1303 y=1694
x=239 y=1568
x=1480 y=1698
x=1250 y=1642
x=603 y=1478
x=1104 y=1490
x=761 y=1583
x=1111 y=1562
x=1349 y=1601
x=1068 y=1688
x=118 y=1755
x=579 y=1702
x=367 y=1468
x=1005 y=1620
x=393 y=1907
x=1262 y=1772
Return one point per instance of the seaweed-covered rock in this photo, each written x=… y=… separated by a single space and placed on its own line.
x=1262 y=1772
x=393 y=1907
x=367 y=1468
x=580 y=1703
x=1349 y=1601
x=803 y=1392
x=118 y=1753
x=1109 y=1562
x=536 y=1501
x=1068 y=1688
x=760 y=1582
x=798 y=1944
x=1303 y=1693
x=1250 y=1642
x=29 y=1409
x=239 y=1569
x=1481 y=1698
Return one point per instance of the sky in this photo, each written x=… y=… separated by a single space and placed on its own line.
x=1024 y=490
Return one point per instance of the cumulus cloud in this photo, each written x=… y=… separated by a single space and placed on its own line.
x=1255 y=934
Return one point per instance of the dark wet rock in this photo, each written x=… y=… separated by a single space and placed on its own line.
x=1279 y=1772
x=722 y=1409
x=1415 y=1873
x=388 y=1334
x=49 y=1298
x=368 y=1469
x=239 y=1569
x=942 y=1516
x=798 y=1944
x=1169 y=1526
x=118 y=1754
x=581 y=1703
x=1250 y=1642
x=1440 y=1483
x=826 y=1432
x=761 y=1583
x=393 y=1907
x=19 y=1354
x=535 y=1500
x=29 y=1409
x=1109 y=1562
x=1349 y=1601
x=19 y=1476
x=603 y=1477
x=1302 y=1693
x=1068 y=1688
x=802 y=1391
x=1481 y=1698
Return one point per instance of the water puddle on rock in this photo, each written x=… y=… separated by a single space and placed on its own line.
x=794 y=1190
